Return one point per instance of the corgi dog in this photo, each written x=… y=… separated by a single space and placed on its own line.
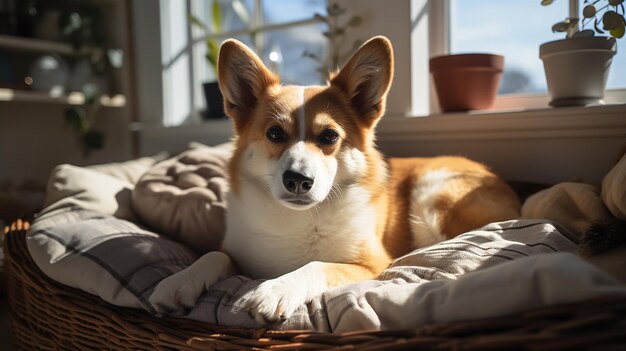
x=313 y=204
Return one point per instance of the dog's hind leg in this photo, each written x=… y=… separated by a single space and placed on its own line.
x=177 y=294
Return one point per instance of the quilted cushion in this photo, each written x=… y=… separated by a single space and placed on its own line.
x=185 y=197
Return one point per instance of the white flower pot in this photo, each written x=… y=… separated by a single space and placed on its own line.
x=577 y=69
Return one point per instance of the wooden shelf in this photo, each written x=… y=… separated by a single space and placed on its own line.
x=75 y=98
x=38 y=45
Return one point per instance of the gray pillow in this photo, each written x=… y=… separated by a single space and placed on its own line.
x=108 y=257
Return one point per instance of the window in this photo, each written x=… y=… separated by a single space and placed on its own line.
x=516 y=29
x=280 y=31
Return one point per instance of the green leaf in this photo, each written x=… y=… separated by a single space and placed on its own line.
x=241 y=10
x=90 y=91
x=584 y=34
x=612 y=20
x=212 y=53
x=546 y=2
x=93 y=139
x=76 y=118
x=217 y=16
x=560 y=27
x=589 y=11
x=618 y=32
x=565 y=25
x=197 y=22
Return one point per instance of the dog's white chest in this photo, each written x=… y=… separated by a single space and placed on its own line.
x=267 y=240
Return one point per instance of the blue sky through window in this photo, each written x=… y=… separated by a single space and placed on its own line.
x=289 y=45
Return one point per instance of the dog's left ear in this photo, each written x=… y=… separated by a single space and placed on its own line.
x=366 y=79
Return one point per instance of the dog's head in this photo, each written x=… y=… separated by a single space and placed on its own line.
x=300 y=144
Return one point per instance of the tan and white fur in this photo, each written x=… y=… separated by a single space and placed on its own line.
x=313 y=203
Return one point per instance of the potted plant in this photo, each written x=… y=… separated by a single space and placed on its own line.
x=577 y=67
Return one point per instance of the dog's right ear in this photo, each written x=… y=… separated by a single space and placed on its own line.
x=243 y=80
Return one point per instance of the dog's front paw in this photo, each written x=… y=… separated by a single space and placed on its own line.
x=274 y=300
x=177 y=294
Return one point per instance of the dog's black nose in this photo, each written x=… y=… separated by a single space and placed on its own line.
x=297 y=183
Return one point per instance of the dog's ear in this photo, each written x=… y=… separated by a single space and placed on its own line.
x=366 y=79
x=243 y=80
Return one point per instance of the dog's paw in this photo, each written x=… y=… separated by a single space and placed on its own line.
x=177 y=294
x=274 y=300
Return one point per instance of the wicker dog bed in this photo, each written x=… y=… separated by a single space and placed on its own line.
x=48 y=316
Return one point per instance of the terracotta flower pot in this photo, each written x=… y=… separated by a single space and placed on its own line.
x=577 y=69
x=466 y=82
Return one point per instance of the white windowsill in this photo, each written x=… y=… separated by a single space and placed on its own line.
x=592 y=121
x=547 y=145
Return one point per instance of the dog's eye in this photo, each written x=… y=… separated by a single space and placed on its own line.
x=276 y=135
x=329 y=137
